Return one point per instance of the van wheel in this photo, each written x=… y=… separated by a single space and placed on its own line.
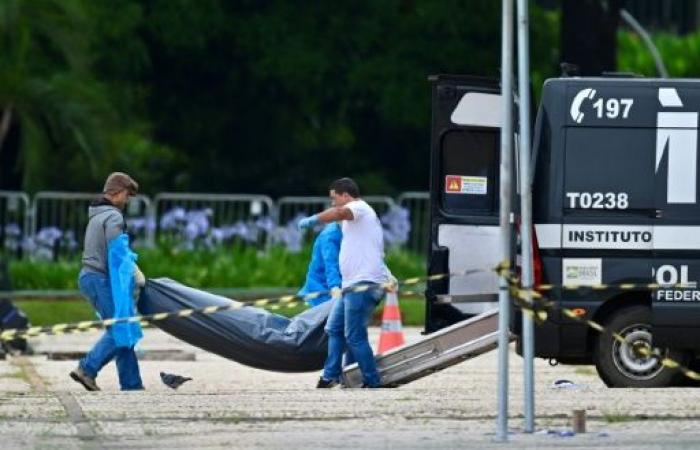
x=619 y=365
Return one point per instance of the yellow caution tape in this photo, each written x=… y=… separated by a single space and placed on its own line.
x=539 y=305
x=288 y=301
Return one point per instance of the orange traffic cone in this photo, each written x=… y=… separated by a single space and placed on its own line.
x=391 y=335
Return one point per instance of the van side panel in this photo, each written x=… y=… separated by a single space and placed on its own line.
x=616 y=169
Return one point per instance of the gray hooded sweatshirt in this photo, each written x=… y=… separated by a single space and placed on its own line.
x=106 y=223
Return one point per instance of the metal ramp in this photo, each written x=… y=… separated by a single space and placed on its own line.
x=437 y=351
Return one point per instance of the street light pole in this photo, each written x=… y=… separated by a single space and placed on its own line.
x=505 y=213
x=526 y=211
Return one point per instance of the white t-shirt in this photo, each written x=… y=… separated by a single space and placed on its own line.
x=362 y=247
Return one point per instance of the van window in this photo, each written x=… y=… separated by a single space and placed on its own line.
x=609 y=169
x=469 y=171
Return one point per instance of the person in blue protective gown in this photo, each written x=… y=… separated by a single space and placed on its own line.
x=361 y=262
x=107 y=280
x=324 y=272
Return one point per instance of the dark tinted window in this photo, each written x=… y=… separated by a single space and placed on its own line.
x=469 y=172
x=609 y=169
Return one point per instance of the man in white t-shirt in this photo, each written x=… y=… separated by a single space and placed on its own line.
x=361 y=264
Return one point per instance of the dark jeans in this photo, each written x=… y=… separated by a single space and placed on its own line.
x=95 y=287
x=347 y=329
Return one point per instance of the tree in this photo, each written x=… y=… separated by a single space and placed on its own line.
x=265 y=96
x=589 y=34
x=279 y=97
x=53 y=114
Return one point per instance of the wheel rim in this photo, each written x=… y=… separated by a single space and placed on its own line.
x=631 y=363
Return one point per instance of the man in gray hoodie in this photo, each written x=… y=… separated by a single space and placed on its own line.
x=106 y=223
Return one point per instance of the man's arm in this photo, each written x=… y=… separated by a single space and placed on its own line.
x=333 y=214
x=113 y=226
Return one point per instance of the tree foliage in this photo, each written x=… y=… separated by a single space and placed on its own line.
x=48 y=92
x=681 y=54
x=264 y=96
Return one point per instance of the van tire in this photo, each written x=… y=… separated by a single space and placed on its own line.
x=618 y=366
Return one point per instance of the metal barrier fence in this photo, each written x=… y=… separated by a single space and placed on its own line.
x=58 y=221
x=418 y=205
x=292 y=208
x=381 y=203
x=205 y=220
x=14 y=223
x=289 y=210
x=53 y=224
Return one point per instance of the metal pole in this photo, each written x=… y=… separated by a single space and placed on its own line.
x=526 y=210
x=505 y=212
x=639 y=29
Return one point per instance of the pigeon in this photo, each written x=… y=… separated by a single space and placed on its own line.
x=173 y=381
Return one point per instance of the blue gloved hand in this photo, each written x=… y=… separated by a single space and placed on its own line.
x=307 y=222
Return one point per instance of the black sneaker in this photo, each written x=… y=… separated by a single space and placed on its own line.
x=86 y=380
x=325 y=384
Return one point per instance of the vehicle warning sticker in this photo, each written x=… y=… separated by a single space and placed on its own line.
x=458 y=184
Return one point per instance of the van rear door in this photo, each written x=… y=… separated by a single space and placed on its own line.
x=464 y=197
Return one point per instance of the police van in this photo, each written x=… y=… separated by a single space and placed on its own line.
x=615 y=201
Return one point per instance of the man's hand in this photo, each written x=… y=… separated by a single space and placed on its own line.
x=393 y=284
x=139 y=283
x=307 y=222
x=139 y=277
x=336 y=293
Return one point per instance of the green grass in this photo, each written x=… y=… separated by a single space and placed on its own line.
x=412 y=311
x=51 y=312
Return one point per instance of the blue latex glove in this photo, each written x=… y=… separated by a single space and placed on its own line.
x=307 y=222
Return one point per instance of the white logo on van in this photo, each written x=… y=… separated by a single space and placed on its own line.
x=575 y=111
x=604 y=108
x=668 y=275
x=677 y=131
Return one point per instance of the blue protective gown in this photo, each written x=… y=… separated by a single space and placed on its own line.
x=121 y=262
x=324 y=270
